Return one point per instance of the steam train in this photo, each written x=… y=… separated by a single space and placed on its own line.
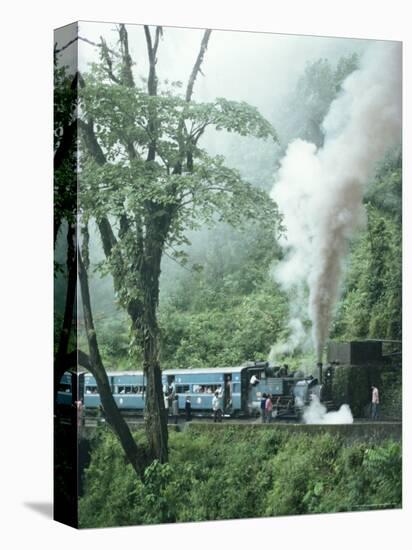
x=241 y=389
x=346 y=378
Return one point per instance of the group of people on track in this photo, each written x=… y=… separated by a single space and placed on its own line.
x=171 y=402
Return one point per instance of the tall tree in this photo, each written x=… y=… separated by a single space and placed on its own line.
x=65 y=182
x=145 y=180
x=67 y=356
x=135 y=454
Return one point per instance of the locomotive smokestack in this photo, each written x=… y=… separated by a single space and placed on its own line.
x=320 y=365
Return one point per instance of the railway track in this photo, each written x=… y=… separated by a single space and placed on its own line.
x=136 y=421
x=361 y=430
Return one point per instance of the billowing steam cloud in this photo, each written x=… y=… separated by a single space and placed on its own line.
x=319 y=191
x=297 y=336
x=316 y=413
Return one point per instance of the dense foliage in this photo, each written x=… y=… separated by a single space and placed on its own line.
x=240 y=473
x=230 y=310
x=371 y=305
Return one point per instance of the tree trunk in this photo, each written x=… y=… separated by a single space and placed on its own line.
x=69 y=309
x=155 y=413
x=136 y=456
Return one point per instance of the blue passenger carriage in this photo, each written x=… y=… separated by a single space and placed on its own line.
x=70 y=388
x=91 y=393
x=200 y=385
x=128 y=389
x=64 y=390
x=240 y=389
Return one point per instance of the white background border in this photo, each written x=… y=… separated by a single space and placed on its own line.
x=26 y=269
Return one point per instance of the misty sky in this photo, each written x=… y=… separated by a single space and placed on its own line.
x=259 y=68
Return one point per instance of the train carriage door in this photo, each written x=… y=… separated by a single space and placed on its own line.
x=244 y=384
x=227 y=392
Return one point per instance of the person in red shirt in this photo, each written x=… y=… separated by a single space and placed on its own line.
x=268 y=408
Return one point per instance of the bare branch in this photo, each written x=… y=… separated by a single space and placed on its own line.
x=182 y=130
x=177 y=261
x=196 y=68
x=152 y=88
x=152 y=80
x=90 y=139
x=159 y=33
x=127 y=73
x=58 y=50
x=109 y=64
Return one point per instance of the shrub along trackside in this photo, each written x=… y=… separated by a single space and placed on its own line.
x=240 y=474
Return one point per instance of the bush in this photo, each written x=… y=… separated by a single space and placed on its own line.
x=230 y=473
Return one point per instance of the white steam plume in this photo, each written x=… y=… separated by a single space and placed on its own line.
x=316 y=414
x=319 y=191
x=297 y=338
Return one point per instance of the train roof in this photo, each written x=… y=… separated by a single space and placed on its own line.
x=204 y=371
x=125 y=373
x=215 y=370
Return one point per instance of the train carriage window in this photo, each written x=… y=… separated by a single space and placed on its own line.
x=65 y=388
x=206 y=388
x=182 y=388
x=129 y=389
x=91 y=390
x=236 y=388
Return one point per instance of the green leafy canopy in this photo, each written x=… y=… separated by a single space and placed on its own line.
x=204 y=190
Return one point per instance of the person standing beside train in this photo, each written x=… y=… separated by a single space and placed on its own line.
x=175 y=409
x=166 y=402
x=188 y=409
x=262 y=407
x=171 y=394
x=268 y=408
x=375 y=403
x=217 y=407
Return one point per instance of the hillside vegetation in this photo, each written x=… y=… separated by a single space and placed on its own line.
x=228 y=474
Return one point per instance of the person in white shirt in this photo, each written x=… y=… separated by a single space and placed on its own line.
x=375 y=403
x=217 y=407
x=254 y=380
